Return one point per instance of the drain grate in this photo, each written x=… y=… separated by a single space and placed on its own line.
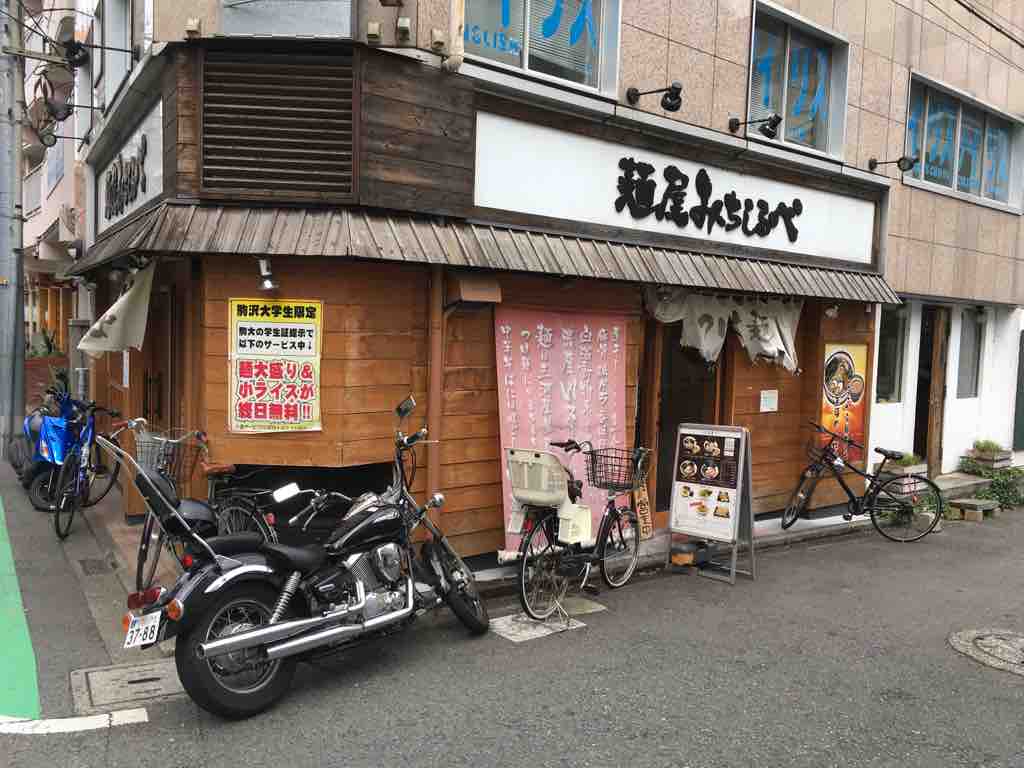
x=997 y=648
x=106 y=688
x=95 y=566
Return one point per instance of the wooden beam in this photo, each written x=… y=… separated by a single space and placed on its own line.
x=435 y=406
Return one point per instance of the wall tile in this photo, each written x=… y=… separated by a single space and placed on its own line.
x=877 y=83
x=961 y=20
x=879 y=28
x=855 y=75
x=1018 y=282
x=1004 y=280
x=1005 y=229
x=852 y=142
x=1015 y=93
x=998 y=82
x=894 y=148
x=732 y=35
x=968 y=222
x=933 y=13
x=966 y=267
x=851 y=20
x=984 y=277
x=907 y=37
x=916 y=6
x=956 y=61
x=919 y=266
x=1002 y=45
x=898 y=98
x=819 y=11
x=730 y=94
x=922 y=215
x=977 y=72
x=648 y=15
x=933 y=50
x=644 y=59
x=981 y=32
x=693 y=23
x=896 y=263
x=874 y=138
x=946 y=211
x=943 y=270
x=696 y=70
x=989 y=222
x=1003 y=8
x=899 y=209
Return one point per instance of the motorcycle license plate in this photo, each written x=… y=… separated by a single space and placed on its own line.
x=143 y=630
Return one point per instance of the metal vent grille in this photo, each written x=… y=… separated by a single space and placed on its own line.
x=278 y=126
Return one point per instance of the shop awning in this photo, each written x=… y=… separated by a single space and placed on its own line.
x=360 y=233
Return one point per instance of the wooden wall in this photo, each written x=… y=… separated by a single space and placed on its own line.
x=182 y=94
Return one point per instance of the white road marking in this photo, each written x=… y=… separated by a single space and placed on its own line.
x=21 y=726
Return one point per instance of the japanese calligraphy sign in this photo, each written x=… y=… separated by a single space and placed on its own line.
x=581 y=178
x=843 y=395
x=560 y=376
x=274 y=358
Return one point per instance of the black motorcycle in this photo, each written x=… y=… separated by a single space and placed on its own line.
x=244 y=612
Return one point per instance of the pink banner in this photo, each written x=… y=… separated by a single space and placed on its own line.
x=561 y=375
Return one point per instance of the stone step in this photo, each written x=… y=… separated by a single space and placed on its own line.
x=974 y=510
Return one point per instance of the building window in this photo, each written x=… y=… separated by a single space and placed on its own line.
x=961 y=147
x=117 y=35
x=800 y=76
x=565 y=39
x=892 y=341
x=972 y=334
x=54 y=165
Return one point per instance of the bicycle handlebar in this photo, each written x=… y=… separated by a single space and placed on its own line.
x=845 y=439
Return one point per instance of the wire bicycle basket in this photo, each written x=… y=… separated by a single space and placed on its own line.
x=173 y=453
x=617 y=469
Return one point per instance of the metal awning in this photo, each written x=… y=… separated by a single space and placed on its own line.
x=359 y=233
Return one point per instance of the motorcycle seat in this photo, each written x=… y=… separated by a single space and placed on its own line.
x=235 y=544
x=303 y=559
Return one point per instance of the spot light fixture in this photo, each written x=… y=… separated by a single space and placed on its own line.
x=267 y=281
x=769 y=125
x=904 y=163
x=670 y=102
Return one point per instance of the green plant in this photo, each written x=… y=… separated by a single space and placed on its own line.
x=987 y=447
x=909 y=460
x=1005 y=486
x=971 y=466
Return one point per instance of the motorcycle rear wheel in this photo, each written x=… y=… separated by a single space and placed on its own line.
x=210 y=682
x=42 y=490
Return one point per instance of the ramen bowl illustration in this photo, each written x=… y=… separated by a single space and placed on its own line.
x=690 y=444
x=688 y=469
x=711 y=448
x=709 y=471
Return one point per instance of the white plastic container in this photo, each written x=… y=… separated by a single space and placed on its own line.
x=537 y=478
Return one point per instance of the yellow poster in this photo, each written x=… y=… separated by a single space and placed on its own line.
x=844 y=395
x=274 y=350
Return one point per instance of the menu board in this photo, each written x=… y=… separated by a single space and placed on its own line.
x=708 y=486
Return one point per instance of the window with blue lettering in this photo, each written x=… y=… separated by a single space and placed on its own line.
x=915 y=125
x=940 y=139
x=559 y=38
x=972 y=129
x=791 y=75
x=997 y=160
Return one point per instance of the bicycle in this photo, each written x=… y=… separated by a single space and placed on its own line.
x=903 y=508
x=81 y=466
x=552 y=550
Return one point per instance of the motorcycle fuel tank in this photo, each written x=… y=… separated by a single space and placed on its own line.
x=373 y=525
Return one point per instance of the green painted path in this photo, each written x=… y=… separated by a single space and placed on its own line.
x=19 y=694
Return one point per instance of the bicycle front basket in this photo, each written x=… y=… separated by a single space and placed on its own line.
x=616 y=469
x=173 y=454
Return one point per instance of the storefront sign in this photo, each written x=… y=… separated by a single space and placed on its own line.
x=843 y=401
x=274 y=358
x=769 y=400
x=134 y=175
x=562 y=175
x=642 y=506
x=560 y=376
x=709 y=481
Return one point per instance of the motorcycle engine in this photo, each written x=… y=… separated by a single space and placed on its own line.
x=380 y=570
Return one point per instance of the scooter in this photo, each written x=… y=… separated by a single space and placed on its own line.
x=49 y=437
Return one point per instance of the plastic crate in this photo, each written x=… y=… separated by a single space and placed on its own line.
x=537 y=477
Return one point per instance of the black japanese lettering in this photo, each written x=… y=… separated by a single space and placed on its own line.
x=636 y=188
x=709 y=211
x=732 y=209
x=671 y=205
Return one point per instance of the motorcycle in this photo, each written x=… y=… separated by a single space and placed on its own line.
x=244 y=612
x=48 y=435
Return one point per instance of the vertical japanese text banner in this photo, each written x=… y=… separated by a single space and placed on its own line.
x=274 y=360
x=560 y=376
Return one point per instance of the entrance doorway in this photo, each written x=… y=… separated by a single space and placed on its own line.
x=931 y=386
x=688 y=394
x=159 y=360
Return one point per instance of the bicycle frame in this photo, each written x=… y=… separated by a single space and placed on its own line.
x=832 y=461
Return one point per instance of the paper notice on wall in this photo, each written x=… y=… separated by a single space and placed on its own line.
x=560 y=376
x=274 y=360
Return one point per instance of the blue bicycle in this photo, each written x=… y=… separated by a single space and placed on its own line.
x=83 y=463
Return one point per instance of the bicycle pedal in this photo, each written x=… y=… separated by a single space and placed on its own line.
x=847 y=516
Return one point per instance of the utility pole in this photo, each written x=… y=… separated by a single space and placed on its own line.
x=12 y=342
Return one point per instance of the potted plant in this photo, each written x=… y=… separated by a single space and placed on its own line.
x=990 y=455
x=909 y=464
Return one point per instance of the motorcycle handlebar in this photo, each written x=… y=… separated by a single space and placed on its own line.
x=409 y=441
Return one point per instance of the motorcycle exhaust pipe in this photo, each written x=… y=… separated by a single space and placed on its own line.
x=280 y=631
x=317 y=639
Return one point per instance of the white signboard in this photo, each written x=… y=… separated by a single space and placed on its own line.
x=708 y=481
x=769 y=400
x=538 y=170
x=135 y=175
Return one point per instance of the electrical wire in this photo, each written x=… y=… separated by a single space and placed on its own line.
x=35 y=23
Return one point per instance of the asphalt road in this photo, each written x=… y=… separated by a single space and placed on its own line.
x=836 y=656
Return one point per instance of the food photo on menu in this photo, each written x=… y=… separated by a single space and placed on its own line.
x=688 y=470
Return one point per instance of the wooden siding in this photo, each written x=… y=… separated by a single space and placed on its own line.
x=182 y=94
x=418 y=133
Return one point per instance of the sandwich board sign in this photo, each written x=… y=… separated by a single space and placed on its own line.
x=712 y=492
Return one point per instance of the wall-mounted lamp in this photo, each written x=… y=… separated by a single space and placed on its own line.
x=832 y=312
x=769 y=125
x=670 y=102
x=267 y=281
x=904 y=163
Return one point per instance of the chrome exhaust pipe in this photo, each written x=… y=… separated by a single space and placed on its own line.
x=317 y=639
x=280 y=631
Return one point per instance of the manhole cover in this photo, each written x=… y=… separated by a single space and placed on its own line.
x=998 y=648
x=94 y=566
x=106 y=688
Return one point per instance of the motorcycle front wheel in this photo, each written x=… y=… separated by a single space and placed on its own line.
x=240 y=684
x=463 y=596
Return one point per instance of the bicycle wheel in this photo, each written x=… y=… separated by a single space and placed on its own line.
x=69 y=496
x=541 y=584
x=236 y=514
x=906 y=509
x=620 y=548
x=41 y=491
x=102 y=472
x=801 y=497
x=151 y=546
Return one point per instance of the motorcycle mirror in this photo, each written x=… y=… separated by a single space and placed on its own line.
x=436 y=501
x=405 y=407
x=286 y=492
